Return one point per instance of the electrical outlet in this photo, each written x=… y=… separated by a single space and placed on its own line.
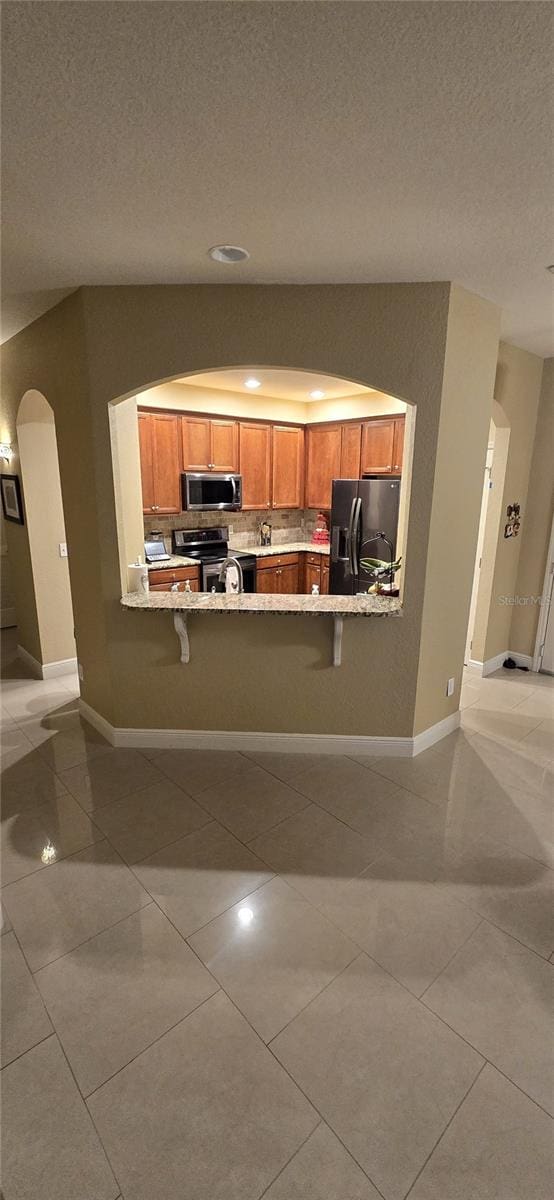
x=63 y=549
x=450 y=686
x=81 y=671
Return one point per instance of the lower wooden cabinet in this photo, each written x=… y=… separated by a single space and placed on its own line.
x=174 y=579
x=278 y=574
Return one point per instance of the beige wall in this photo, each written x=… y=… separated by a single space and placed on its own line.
x=236 y=404
x=272 y=673
x=493 y=521
x=7 y=594
x=535 y=532
x=38 y=455
x=127 y=484
x=468 y=382
x=517 y=390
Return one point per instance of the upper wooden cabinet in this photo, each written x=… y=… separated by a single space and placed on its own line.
x=350 y=447
x=323 y=463
x=382 y=442
x=288 y=467
x=210 y=445
x=160 y=462
x=255 y=464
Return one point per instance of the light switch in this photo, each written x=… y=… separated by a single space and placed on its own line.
x=63 y=549
x=450 y=686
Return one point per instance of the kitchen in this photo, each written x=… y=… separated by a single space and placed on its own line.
x=239 y=464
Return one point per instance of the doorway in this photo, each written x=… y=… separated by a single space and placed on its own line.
x=40 y=472
x=487 y=484
x=544 y=648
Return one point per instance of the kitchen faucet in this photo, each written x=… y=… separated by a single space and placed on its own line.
x=228 y=562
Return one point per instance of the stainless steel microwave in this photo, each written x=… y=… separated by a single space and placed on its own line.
x=206 y=491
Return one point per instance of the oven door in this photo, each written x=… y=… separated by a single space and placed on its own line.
x=210 y=575
x=209 y=492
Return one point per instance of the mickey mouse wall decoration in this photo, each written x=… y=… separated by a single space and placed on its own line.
x=513 y=524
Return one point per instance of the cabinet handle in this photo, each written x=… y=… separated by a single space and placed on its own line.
x=397 y=466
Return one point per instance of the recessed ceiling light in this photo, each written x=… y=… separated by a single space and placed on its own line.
x=317 y=394
x=228 y=254
x=551 y=268
x=252 y=383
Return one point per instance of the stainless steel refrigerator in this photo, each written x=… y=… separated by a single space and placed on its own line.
x=361 y=508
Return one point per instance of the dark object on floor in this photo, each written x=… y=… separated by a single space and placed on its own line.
x=509 y=664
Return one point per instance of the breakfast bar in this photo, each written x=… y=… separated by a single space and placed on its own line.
x=183 y=604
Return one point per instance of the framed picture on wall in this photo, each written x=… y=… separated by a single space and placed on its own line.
x=12 y=503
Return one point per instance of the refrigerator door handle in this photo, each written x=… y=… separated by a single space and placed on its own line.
x=350 y=536
x=335 y=535
x=354 y=536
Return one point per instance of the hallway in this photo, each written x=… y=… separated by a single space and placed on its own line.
x=229 y=976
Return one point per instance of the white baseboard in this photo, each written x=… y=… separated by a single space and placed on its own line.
x=7 y=618
x=434 y=733
x=46 y=670
x=493 y=664
x=288 y=743
x=100 y=723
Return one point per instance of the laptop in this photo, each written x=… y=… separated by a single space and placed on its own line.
x=155 y=551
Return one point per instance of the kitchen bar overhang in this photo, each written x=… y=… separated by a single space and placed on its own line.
x=185 y=604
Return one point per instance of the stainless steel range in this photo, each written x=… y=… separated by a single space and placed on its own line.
x=211 y=547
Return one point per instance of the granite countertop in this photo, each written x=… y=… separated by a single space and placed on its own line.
x=174 y=560
x=284 y=548
x=251 y=602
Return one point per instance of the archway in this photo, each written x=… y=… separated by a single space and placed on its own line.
x=38 y=454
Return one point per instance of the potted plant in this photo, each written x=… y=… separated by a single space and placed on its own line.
x=382 y=570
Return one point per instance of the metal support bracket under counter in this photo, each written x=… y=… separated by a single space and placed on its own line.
x=182 y=604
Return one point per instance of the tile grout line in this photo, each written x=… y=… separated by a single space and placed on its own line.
x=87 y=1110
x=452 y=956
x=291 y=1159
x=446 y=1128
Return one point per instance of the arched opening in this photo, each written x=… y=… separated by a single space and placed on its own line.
x=38 y=454
x=242 y=419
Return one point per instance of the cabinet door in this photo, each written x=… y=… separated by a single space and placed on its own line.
x=177 y=587
x=350 y=447
x=255 y=465
x=324 y=588
x=224 y=453
x=287 y=580
x=195 y=436
x=312 y=575
x=167 y=462
x=398 y=445
x=288 y=467
x=377 y=446
x=146 y=444
x=322 y=463
x=267 y=580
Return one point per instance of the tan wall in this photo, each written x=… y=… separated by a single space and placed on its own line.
x=131 y=526
x=493 y=521
x=38 y=454
x=469 y=372
x=538 y=521
x=50 y=355
x=235 y=404
x=517 y=390
x=272 y=673
x=7 y=593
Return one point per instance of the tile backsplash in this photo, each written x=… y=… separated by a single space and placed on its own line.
x=296 y=525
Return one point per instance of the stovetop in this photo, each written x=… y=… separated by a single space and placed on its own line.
x=207 y=545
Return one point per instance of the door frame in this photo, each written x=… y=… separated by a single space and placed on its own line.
x=546 y=602
x=485 y=496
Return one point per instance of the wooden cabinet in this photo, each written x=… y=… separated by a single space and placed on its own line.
x=255 y=464
x=209 y=445
x=323 y=463
x=382 y=444
x=165 y=579
x=350 y=448
x=398 y=444
x=287 y=475
x=316 y=570
x=278 y=574
x=160 y=462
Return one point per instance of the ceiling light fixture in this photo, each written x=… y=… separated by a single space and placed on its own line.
x=551 y=268
x=252 y=383
x=228 y=254
x=317 y=394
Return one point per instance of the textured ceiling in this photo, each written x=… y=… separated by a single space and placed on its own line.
x=337 y=141
x=277 y=383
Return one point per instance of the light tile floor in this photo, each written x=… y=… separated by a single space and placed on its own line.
x=228 y=977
